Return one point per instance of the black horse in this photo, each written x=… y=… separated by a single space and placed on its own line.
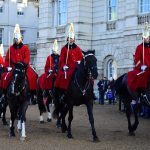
x=79 y=92
x=3 y=101
x=126 y=96
x=18 y=99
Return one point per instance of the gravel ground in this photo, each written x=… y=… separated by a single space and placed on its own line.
x=111 y=127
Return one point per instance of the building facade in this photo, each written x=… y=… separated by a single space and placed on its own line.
x=112 y=27
x=15 y=11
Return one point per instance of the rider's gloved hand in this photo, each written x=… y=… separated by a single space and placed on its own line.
x=65 y=67
x=78 y=62
x=143 y=67
x=50 y=71
x=9 y=69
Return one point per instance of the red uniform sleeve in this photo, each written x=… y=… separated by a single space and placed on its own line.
x=138 y=57
x=62 y=58
x=49 y=64
x=1 y=61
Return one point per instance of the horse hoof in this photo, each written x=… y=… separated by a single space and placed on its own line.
x=49 y=120
x=11 y=134
x=41 y=122
x=96 y=139
x=22 y=138
x=131 y=134
x=70 y=136
x=5 y=123
x=19 y=130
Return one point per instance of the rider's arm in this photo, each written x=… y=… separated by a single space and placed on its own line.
x=138 y=57
x=49 y=64
x=62 y=58
x=26 y=59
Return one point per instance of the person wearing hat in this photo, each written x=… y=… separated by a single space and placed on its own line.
x=18 y=53
x=70 y=55
x=51 y=68
x=138 y=78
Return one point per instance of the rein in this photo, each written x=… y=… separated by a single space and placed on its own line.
x=87 y=84
x=83 y=91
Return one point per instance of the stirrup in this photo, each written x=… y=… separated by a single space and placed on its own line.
x=146 y=100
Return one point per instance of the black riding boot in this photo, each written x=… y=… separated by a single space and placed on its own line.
x=62 y=96
x=143 y=96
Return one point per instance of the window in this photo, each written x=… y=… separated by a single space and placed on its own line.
x=144 y=6
x=112 y=10
x=1 y=9
x=112 y=69
x=1 y=36
x=20 y=12
x=62 y=12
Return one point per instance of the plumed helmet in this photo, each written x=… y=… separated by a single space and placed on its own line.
x=71 y=33
x=55 y=47
x=17 y=34
x=145 y=31
x=1 y=50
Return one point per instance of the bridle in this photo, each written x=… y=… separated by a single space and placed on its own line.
x=20 y=87
x=87 y=84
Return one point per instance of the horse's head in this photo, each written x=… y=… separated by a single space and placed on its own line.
x=18 y=79
x=90 y=63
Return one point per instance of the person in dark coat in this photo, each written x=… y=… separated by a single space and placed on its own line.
x=102 y=87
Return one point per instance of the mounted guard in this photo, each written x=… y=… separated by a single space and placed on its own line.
x=70 y=56
x=138 y=78
x=46 y=81
x=18 y=53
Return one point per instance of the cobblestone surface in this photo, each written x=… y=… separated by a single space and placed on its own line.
x=111 y=127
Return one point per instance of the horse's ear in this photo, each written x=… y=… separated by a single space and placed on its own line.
x=93 y=51
x=83 y=52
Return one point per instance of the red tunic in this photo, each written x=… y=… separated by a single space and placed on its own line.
x=136 y=81
x=74 y=55
x=21 y=54
x=1 y=65
x=46 y=80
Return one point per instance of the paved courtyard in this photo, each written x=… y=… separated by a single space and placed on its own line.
x=111 y=126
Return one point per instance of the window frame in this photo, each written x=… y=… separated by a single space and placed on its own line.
x=109 y=18
x=140 y=7
x=59 y=22
x=1 y=35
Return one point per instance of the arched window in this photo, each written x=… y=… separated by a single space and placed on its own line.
x=112 y=69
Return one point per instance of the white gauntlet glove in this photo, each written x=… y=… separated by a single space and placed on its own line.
x=50 y=71
x=9 y=69
x=65 y=67
x=143 y=67
x=78 y=61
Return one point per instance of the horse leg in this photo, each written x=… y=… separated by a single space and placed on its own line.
x=64 y=113
x=128 y=114
x=58 y=123
x=135 y=111
x=23 y=119
x=41 y=117
x=91 y=120
x=4 y=115
x=12 y=120
x=70 y=118
x=19 y=125
x=49 y=115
